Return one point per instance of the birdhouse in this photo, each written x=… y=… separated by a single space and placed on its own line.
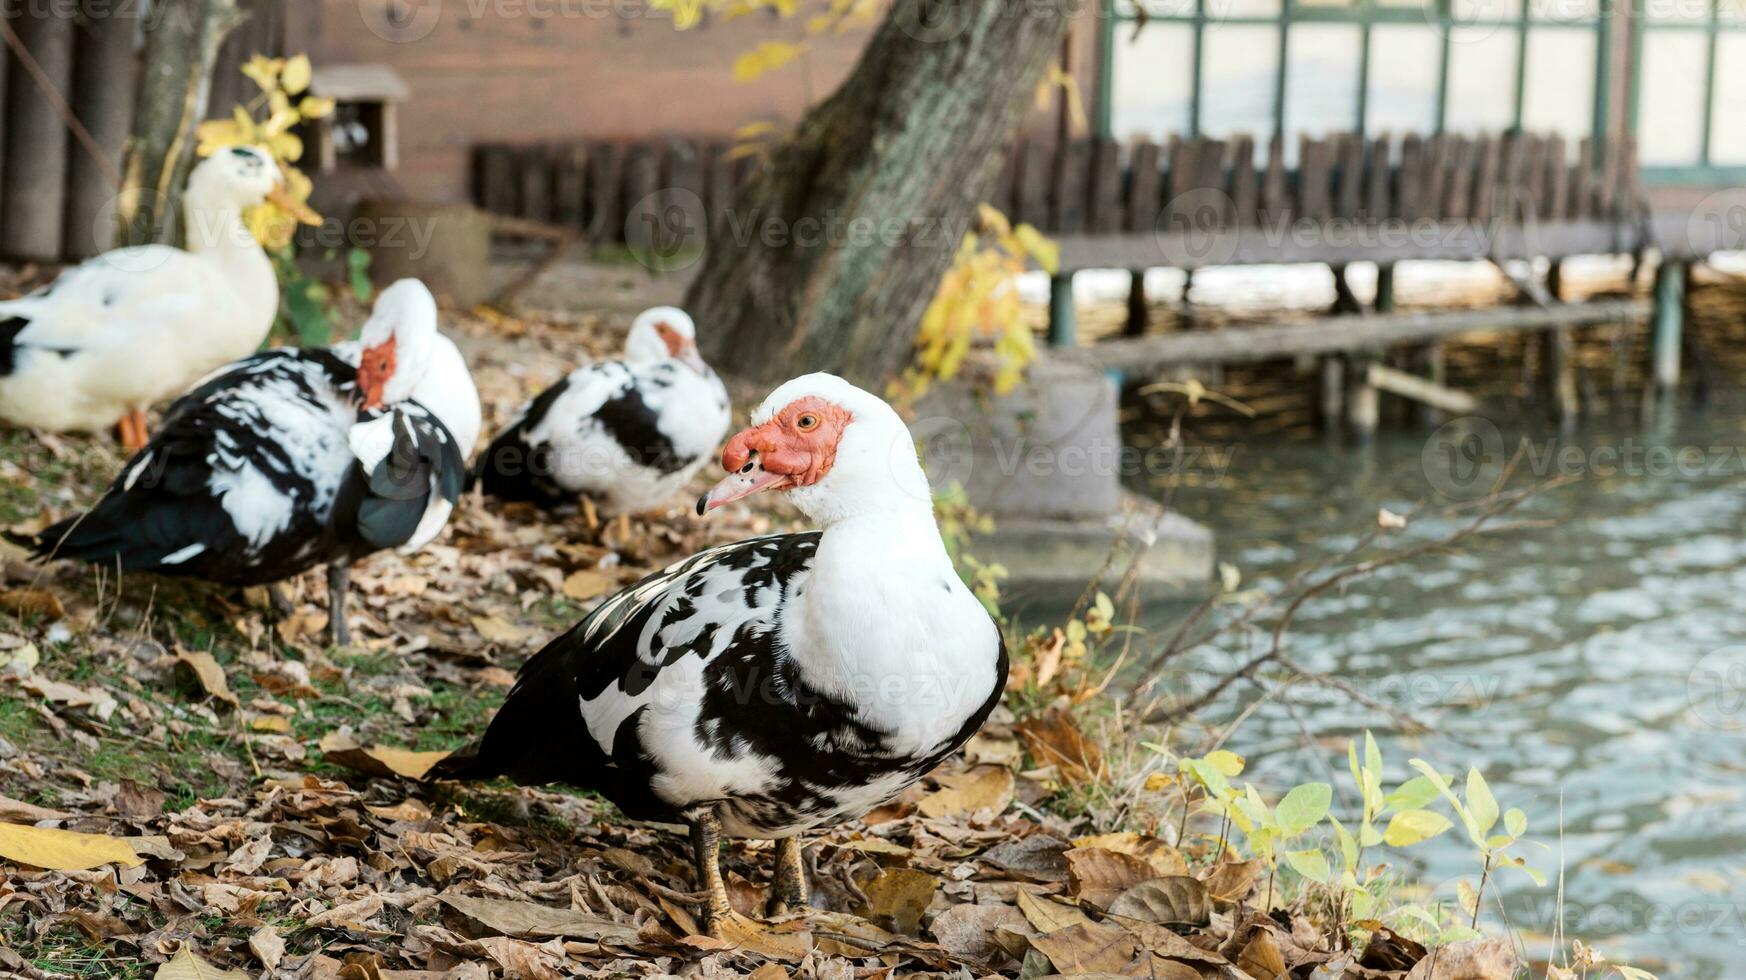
x=363 y=131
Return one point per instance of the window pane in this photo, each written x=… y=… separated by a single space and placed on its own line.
x=1477 y=11
x=1149 y=93
x=1239 y=65
x=1670 y=119
x=1559 y=96
x=1564 y=9
x=1728 y=129
x=1482 y=77
x=1403 y=79
x=1677 y=11
x=1321 y=79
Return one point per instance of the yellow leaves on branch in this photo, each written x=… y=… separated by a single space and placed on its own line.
x=267 y=123
x=978 y=298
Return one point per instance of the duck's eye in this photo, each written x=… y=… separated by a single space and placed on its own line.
x=807 y=422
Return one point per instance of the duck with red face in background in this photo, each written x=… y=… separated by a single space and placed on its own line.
x=778 y=684
x=628 y=434
x=292 y=458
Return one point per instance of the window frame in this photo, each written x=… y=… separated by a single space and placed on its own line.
x=1366 y=14
x=1703 y=171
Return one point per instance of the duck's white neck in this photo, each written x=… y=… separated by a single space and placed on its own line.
x=216 y=233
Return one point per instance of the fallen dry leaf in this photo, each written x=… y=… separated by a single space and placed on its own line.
x=1166 y=860
x=187 y=966
x=526 y=920
x=1261 y=958
x=1476 y=959
x=524 y=960
x=1099 y=876
x=496 y=629
x=1089 y=947
x=63 y=850
x=377 y=760
x=972 y=791
x=31 y=602
x=1231 y=881
x=968 y=930
x=1045 y=915
x=268 y=947
x=18 y=811
x=1176 y=900
x=899 y=896
x=196 y=668
x=1054 y=739
x=587 y=583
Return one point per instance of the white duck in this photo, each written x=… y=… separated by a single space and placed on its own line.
x=628 y=433
x=292 y=458
x=777 y=684
x=135 y=325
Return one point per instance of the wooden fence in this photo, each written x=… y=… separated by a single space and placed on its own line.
x=1107 y=199
x=56 y=195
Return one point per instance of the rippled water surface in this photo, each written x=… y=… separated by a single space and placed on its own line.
x=1594 y=669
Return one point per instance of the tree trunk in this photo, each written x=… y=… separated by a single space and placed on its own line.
x=37 y=137
x=103 y=84
x=832 y=252
x=182 y=39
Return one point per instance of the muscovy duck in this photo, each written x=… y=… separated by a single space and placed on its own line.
x=135 y=325
x=627 y=433
x=293 y=458
x=777 y=684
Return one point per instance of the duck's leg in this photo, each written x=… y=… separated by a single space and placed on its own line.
x=282 y=605
x=788 y=892
x=339 y=576
x=706 y=853
x=131 y=429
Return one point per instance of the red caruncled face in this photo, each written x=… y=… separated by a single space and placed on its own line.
x=675 y=341
x=800 y=443
x=375 y=367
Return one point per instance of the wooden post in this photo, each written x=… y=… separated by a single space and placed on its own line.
x=1561 y=375
x=1385 y=287
x=1555 y=280
x=1669 y=321
x=1345 y=301
x=1332 y=402
x=37 y=138
x=1063 y=324
x=103 y=70
x=1430 y=364
x=1137 y=312
x=1363 y=402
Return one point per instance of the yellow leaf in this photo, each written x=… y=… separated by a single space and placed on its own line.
x=754 y=130
x=587 y=583
x=264 y=71
x=1228 y=763
x=377 y=760
x=980 y=788
x=767 y=56
x=63 y=850
x=187 y=966
x=296 y=75
x=315 y=107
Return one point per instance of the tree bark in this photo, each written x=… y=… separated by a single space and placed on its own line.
x=37 y=137
x=103 y=85
x=182 y=40
x=832 y=252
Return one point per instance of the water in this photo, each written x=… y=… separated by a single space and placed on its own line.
x=1595 y=670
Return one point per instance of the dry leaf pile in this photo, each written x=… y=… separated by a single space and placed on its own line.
x=195 y=788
